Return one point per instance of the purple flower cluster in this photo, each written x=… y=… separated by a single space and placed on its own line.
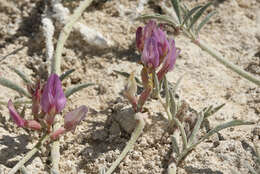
x=156 y=49
x=48 y=102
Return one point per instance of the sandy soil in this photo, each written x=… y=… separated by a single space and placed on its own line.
x=234 y=31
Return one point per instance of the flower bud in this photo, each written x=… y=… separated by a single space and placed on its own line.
x=36 y=99
x=150 y=55
x=144 y=96
x=15 y=116
x=73 y=118
x=57 y=133
x=169 y=61
x=130 y=90
x=53 y=99
x=32 y=124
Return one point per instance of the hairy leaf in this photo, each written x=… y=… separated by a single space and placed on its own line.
x=23 y=76
x=176 y=6
x=211 y=111
x=204 y=21
x=175 y=145
x=125 y=74
x=76 y=88
x=198 y=15
x=159 y=17
x=9 y=84
x=66 y=74
x=189 y=14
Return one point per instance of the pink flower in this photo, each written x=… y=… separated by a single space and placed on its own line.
x=32 y=124
x=150 y=55
x=169 y=61
x=15 y=116
x=71 y=120
x=151 y=30
x=36 y=98
x=143 y=34
x=53 y=99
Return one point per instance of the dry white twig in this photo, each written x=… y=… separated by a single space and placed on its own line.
x=91 y=36
x=48 y=32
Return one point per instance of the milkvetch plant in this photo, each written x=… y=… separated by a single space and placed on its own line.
x=189 y=22
x=158 y=57
x=47 y=100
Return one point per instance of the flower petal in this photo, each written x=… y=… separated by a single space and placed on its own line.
x=150 y=56
x=169 y=61
x=73 y=118
x=139 y=39
x=53 y=95
x=32 y=124
x=16 y=117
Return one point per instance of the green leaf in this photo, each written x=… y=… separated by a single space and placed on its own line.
x=173 y=107
x=76 y=88
x=178 y=84
x=66 y=74
x=7 y=83
x=176 y=6
x=196 y=128
x=221 y=127
x=211 y=132
x=159 y=17
x=250 y=168
x=189 y=14
x=24 y=170
x=102 y=170
x=167 y=94
x=198 y=15
x=184 y=9
x=211 y=111
x=205 y=20
x=157 y=84
x=175 y=145
x=23 y=76
x=17 y=102
x=125 y=74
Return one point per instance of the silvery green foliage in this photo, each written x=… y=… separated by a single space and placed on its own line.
x=189 y=129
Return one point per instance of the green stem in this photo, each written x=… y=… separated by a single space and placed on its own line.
x=55 y=149
x=29 y=155
x=170 y=117
x=56 y=64
x=137 y=132
x=222 y=60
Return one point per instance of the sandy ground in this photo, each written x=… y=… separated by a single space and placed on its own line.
x=234 y=31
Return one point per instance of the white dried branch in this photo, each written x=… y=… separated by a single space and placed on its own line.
x=48 y=32
x=91 y=36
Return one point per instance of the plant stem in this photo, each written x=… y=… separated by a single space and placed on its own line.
x=29 y=155
x=55 y=149
x=56 y=64
x=222 y=60
x=65 y=34
x=170 y=118
x=137 y=132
